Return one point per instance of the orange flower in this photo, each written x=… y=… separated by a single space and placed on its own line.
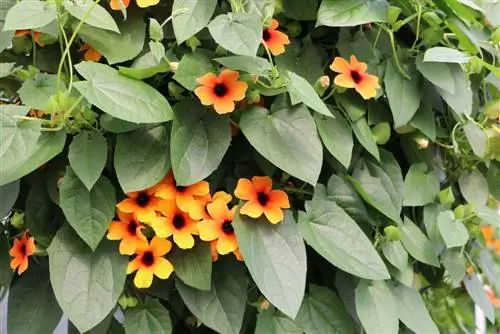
x=184 y=196
x=90 y=53
x=128 y=230
x=142 y=203
x=221 y=91
x=219 y=227
x=200 y=211
x=353 y=76
x=175 y=222
x=22 y=248
x=261 y=198
x=115 y=4
x=489 y=238
x=274 y=40
x=150 y=261
x=491 y=296
x=215 y=253
x=34 y=34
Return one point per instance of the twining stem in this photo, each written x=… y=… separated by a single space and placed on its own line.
x=270 y=57
x=298 y=191
x=417 y=33
x=394 y=52
x=175 y=13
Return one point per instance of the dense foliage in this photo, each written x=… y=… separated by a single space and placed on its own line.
x=250 y=166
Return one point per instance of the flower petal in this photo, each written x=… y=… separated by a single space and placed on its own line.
x=209 y=230
x=30 y=246
x=167 y=207
x=218 y=210
x=224 y=106
x=344 y=80
x=228 y=77
x=143 y=278
x=206 y=95
x=357 y=65
x=367 y=87
x=162 y=226
x=147 y=3
x=92 y=55
x=252 y=209
x=115 y=4
x=163 y=268
x=133 y=265
x=226 y=244
x=213 y=250
x=223 y=196
x=274 y=24
x=128 y=205
x=237 y=90
x=262 y=183
x=15 y=262
x=160 y=246
x=127 y=246
x=273 y=213
x=209 y=80
x=245 y=190
x=340 y=65
x=279 y=198
x=185 y=202
x=147 y=214
x=201 y=188
x=23 y=266
x=238 y=255
x=116 y=230
x=183 y=239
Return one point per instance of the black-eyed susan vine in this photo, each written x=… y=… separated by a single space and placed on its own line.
x=249 y=166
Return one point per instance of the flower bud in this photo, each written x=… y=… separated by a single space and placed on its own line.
x=392 y=233
x=422 y=142
x=122 y=301
x=193 y=42
x=17 y=220
x=446 y=196
x=173 y=66
x=382 y=133
x=253 y=97
x=132 y=301
x=322 y=84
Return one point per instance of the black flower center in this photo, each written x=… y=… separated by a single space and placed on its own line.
x=227 y=227
x=220 y=89
x=356 y=76
x=142 y=200
x=262 y=198
x=178 y=221
x=148 y=258
x=132 y=227
x=23 y=249
x=266 y=35
x=180 y=188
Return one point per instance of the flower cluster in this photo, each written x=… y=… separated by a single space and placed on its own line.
x=182 y=212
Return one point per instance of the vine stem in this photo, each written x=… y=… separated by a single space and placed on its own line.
x=175 y=13
x=417 y=33
x=298 y=191
x=270 y=57
x=395 y=55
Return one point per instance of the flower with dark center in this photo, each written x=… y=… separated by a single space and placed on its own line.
x=261 y=199
x=142 y=203
x=273 y=39
x=129 y=231
x=227 y=227
x=142 y=200
x=218 y=227
x=221 y=91
x=149 y=261
x=353 y=75
x=178 y=221
x=20 y=251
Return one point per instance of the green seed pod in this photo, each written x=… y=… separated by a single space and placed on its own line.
x=392 y=233
x=446 y=196
x=382 y=133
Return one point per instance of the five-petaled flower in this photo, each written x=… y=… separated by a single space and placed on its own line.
x=20 y=251
x=150 y=261
x=115 y=4
x=34 y=34
x=219 y=227
x=274 y=40
x=200 y=212
x=128 y=230
x=175 y=222
x=142 y=203
x=185 y=196
x=261 y=198
x=221 y=91
x=353 y=75
x=90 y=54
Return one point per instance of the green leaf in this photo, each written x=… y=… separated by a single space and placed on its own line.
x=301 y=91
x=395 y=253
x=116 y=47
x=155 y=30
x=47 y=147
x=272 y=322
x=40 y=215
x=300 y=10
x=239 y=33
x=6 y=69
x=263 y=8
x=476 y=291
x=87 y=156
x=353 y=105
x=32 y=306
x=431 y=213
x=336 y=237
x=87 y=284
x=145 y=66
x=193 y=266
x=454 y=262
x=8 y=194
x=30 y=15
x=142 y=157
x=478 y=139
x=150 y=317
x=336 y=135
x=421 y=185
x=380 y=185
x=493 y=178
x=157 y=49
x=116 y=125
x=437 y=73
x=474 y=187
x=94 y=14
x=453 y=232
x=252 y=65
x=120 y=96
x=190 y=16
x=417 y=244
x=365 y=137
x=323 y=312
x=343 y=193
x=222 y=308
x=403 y=95
x=287 y=138
x=36 y=92
x=461 y=100
x=443 y=54
x=199 y=141
x=348 y=13
x=376 y=307
x=412 y=310
x=88 y=212
x=280 y=250
x=305 y=61
x=191 y=67
x=425 y=120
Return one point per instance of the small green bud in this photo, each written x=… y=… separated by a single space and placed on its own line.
x=469 y=210
x=193 y=42
x=495 y=36
x=432 y=19
x=393 y=14
x=459 y=211
x=392 y=233
x=253 y=97
x=382 y=133
x=475 y=65
x=220 y=51
x=293 y=29
x=446 y=196
x=422 y=142
x=132 y=301
x=17 y=220
x=123 y=302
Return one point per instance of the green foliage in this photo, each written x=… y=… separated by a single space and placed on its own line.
x=378 y=212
